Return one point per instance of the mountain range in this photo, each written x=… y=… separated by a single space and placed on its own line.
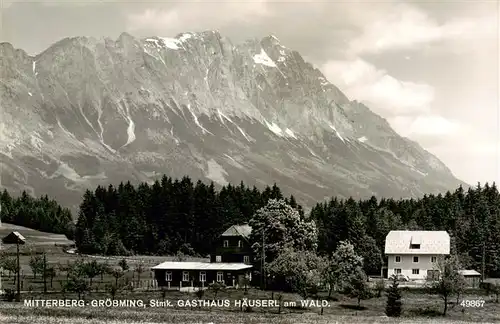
x=92 y=111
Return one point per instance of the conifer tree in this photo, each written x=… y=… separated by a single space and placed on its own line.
x=394 y=305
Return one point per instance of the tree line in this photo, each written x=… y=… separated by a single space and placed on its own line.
x=292 y=260
x=178 y=215
x=471 y=217
x=42 y=213
x=165 y=218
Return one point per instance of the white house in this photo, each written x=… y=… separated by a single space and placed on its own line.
x=414 y=253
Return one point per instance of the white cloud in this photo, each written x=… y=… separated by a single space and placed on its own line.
x=405 y=27
x=388 y=96
x=472 y=156
x=193 y=15
x=425 y=125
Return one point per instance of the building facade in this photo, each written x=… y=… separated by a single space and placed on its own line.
x=414 y=254
x=177 y=275
x=230 y=264
x=233 y=246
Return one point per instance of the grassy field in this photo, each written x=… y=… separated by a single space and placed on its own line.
x=417 y=308
x=416 y=305
x=34 y=237
x=56 y=247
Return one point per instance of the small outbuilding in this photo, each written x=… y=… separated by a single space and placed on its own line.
x=472 y=277
x=14 y=238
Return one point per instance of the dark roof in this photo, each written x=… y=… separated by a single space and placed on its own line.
x=14 y=238
x=238 y=230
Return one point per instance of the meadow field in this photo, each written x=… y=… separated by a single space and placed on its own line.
x=418 y=307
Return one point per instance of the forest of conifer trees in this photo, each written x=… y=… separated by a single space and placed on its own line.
x=166 y=217
x=42 y=213
x=178 y=215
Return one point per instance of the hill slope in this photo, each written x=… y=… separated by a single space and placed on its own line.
x=87 y=112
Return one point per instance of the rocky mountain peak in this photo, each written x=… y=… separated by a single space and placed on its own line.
x=88 y=111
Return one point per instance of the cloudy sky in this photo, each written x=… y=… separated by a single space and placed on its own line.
x=431 y=68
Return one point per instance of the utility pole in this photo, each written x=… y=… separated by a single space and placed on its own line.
x=483 y=265
x=44 y=273
x=18 y=297
x=1 y=268
x=262 y=264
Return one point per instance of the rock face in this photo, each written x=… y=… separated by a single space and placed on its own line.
x=87 y=112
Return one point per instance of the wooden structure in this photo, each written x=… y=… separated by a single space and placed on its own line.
x=17 y=239
x=14 y=238
x=230 y=262
x=179 y=275
x=472 y=277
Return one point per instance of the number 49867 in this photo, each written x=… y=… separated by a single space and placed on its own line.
x=472 y=303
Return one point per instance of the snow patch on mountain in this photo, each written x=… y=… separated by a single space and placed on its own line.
x=263 y=59
x=324 y=82
x=216 y=172
x=274 y=128
x=290 y=133
x=171 y=43
x=222 y=117
x=337 y=133
x=165 y=42
x=197 y=122
x=33 y=67
x=233 y=162
x=130 y=131
x=243 y=133
x=312 y=152
x=184 y=37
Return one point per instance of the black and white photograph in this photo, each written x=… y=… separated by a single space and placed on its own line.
x=251 y=161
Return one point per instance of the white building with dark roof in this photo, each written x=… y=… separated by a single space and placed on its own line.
x=414 y=253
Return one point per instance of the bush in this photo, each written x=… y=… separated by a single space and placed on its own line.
x=9 y=295
x=426 y=312
x=200 y=293
x=379 y=287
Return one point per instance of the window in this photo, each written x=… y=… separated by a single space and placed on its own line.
x=168 y=276
x=414 y=246
x=415 y=271
x=246 y=259
x=203 y=276
x=397 y=259
x=220 y=276
x=433 y=259
x=218 y=258
x=397 y=271
x=226 y=243
x=239 y=244
x=415 y=259
x=185 y=276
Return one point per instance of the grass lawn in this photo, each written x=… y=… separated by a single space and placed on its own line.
x=417 y=307
x=34 y=237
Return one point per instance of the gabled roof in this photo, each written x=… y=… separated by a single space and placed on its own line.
x=171 y=265
x=238 y=230
x=469 y=273
x=431 y=242
x=14 y=238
